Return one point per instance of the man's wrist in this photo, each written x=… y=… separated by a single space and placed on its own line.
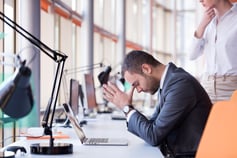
x=127 y=109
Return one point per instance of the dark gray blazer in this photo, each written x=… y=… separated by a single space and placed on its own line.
x=180 y=117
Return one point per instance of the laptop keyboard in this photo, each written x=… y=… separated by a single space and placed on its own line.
x=97 y=140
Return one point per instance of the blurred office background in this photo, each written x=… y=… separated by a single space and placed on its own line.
x=94 y=34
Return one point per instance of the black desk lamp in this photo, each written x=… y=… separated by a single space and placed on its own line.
x=15 y=88
x=103 y=78
x=50 y=148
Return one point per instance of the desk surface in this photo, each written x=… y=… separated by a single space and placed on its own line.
x=102 y=126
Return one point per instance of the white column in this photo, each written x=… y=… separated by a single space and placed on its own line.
x=29 y=19
x=87 y=34
x=121 y=31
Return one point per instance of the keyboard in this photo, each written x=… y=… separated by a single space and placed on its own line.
x=96 y=140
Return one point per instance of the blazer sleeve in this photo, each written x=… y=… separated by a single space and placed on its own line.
x=177 y=100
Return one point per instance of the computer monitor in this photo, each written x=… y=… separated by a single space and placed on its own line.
x=90 y=97
x=74 y=96
x=90 y=92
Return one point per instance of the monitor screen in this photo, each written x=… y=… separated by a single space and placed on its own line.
x=74 y=96
x=90 y=91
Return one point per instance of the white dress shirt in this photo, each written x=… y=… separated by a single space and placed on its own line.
x=163 y=76
x=219 y=45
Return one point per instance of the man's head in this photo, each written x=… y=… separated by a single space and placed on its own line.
x=142 y=71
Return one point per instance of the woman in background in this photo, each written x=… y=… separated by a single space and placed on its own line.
x=216 y=38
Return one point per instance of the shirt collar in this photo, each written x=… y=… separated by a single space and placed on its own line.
x=232 y=9
x=163 y=76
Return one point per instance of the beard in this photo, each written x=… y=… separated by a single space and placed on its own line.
x=154 y=90
x=152 y=84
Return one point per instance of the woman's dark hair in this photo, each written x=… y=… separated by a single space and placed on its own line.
x=134 y=60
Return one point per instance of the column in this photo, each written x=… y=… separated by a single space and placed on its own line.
x=29 y=17
x=87 y=34
x=121 y=31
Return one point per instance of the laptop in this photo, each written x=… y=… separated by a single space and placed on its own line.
x=91 y=141
x=74 y=96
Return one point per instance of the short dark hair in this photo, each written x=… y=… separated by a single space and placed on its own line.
x=134 y=60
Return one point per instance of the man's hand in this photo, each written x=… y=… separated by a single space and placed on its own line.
x=114 y=95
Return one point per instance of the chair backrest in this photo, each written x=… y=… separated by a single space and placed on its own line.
x=234 y=97
x=219 y=139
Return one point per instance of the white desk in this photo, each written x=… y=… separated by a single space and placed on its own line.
x=103 y=126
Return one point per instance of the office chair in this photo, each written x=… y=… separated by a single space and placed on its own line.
x=219 y=139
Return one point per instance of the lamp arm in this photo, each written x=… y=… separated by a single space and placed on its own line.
x=83 y=68
x=59 y=58
x=36 y=42
x=52 y=103
x=54 y=94
x=78 y=70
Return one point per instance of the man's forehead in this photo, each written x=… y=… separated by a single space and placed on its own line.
x=130 y=77
x=128 y=74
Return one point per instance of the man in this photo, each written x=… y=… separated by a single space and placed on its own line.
x=178 y=121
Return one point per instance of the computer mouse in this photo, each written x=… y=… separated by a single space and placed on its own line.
x=16 y=148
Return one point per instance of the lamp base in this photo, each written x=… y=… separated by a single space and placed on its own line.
x=7 y=154
x=56 y=149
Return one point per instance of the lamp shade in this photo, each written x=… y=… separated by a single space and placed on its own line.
x=16 y=99
x=104 y=75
